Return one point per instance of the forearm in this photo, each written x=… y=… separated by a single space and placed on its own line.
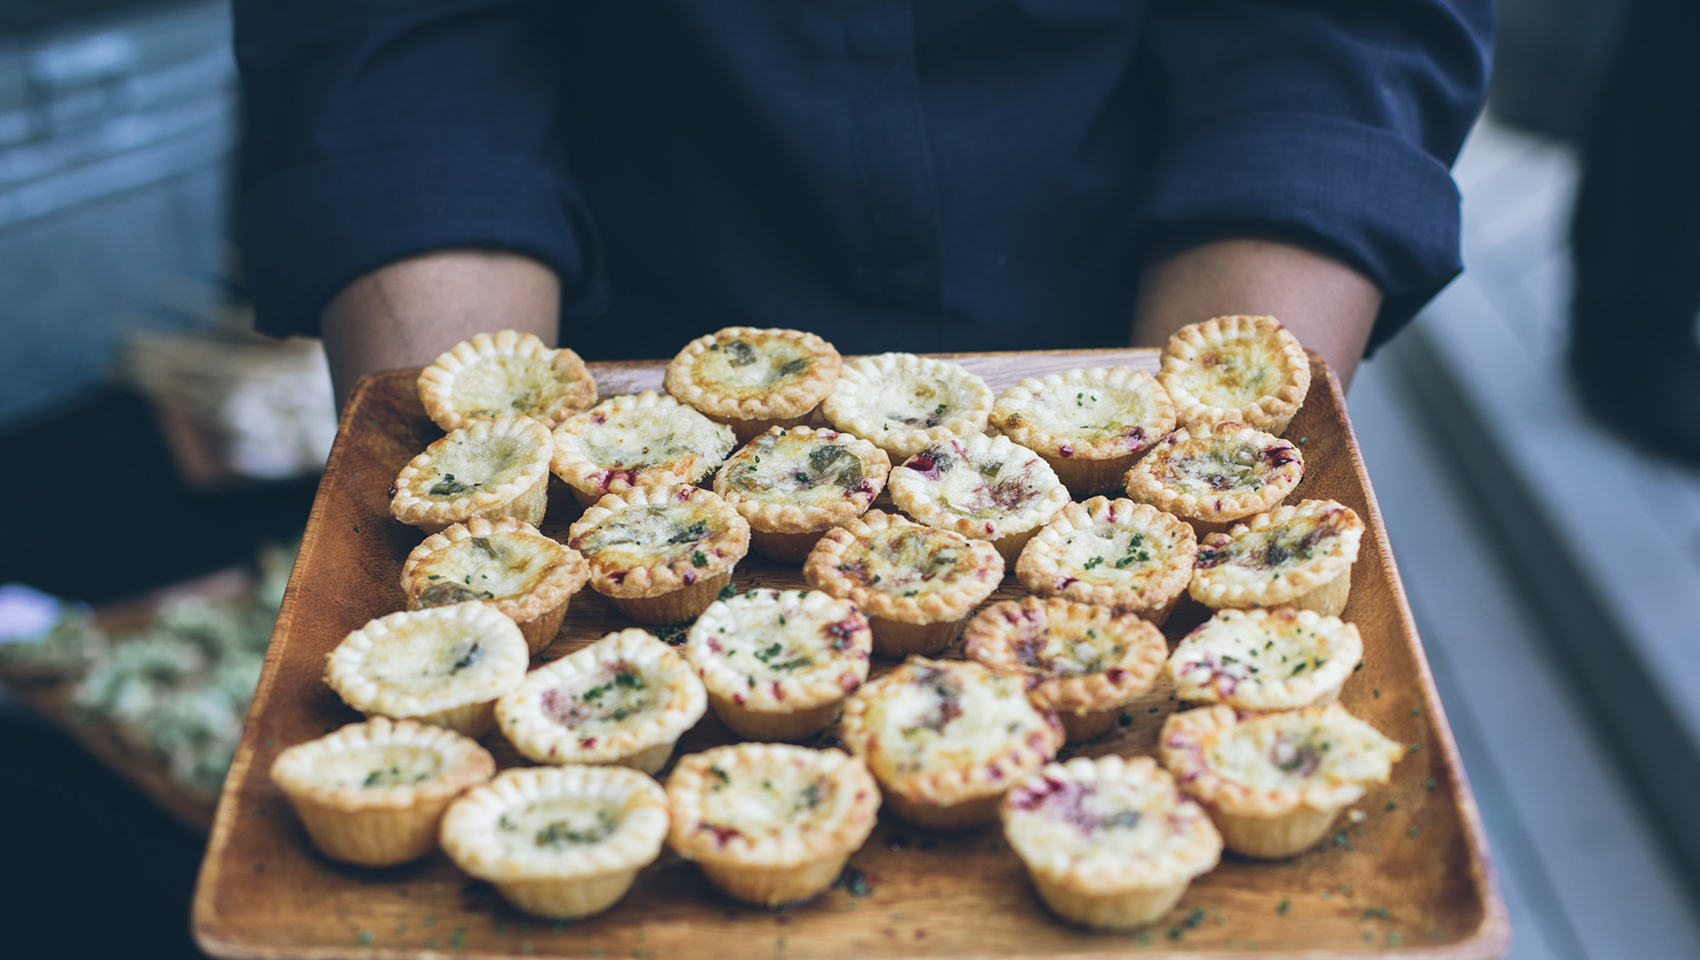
x=406 y=313
x=1329 y=306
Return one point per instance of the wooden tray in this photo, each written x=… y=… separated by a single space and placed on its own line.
x=1411 y=878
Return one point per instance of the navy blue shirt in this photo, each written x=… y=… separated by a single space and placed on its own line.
x=917 y=175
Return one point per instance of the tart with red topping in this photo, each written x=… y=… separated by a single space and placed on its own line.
x=639 y=440
x=1276 y=659
x=901 y=402
x=771 y=824
x=1293 y=556
x=506 y=563
x=505 y=374
x=985 y=488
x=491 y=469
x=1113 y=552
x=1239 y=369
x=752 y=379
x=914 y=583
x=1090 y=425
x=660 y=554
x=1215 y=475
x=794 y=485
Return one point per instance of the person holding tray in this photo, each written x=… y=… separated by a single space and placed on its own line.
x=986 y=175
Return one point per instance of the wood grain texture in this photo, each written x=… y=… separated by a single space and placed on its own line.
x=1412 y=878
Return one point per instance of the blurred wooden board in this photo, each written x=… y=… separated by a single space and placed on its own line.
x=1412 y=878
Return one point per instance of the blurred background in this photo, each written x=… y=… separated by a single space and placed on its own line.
x=1554 y=569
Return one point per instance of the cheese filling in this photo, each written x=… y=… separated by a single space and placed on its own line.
x=980 y=488
x=558 y=826
x=1093 y=412
x=1280 y=751
x=792 y=469
x=777 y=799
x=377 y=766
x=420 y=658
x=775 y=638
x=1221 y=465
x=1060 y=654
x=1234 y=372
x=1281 y=547
x=484 y=568
x=643 y=438
x=1111 y=556
x=1109 y=820
x=907 y=561
x=616 y=694
x=505 y=386
x=674 y=534
x=915 y=403
x=936 y=717
x=1238 y=654
x=743 y=369
x=463 y=466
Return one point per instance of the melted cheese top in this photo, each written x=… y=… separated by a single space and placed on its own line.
x=669 y=436
x=1294 y=749
x=1087 y=412
x=1239 y=653
x=770 y=635
x=505 y=386
x=557 y=826
x=1256 y=555
x=908 y=561
x=420 y=657
x=377 y=766
x=1106 y=820
x=1217 y=464
x=924 y=717
x=1056 y=651
x=921 y=396
x=673 y=534
x=753 y=367
x=794 y=469
x=774 y=799
x=464 y=465
x=486 y=568
x=1114 y=556
x=618 y=694
x=1237 y=370
x=981 y=486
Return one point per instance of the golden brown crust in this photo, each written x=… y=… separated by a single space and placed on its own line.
x=745 y=373
x=491 y=469
x=1216 y=473
x=929 y=576
x=1078 y=658
x=302 y=771
x=1278 y=557
x=1242 y=369
x=1113 y=552
x=561 y=573
x=637 y=440
x=1096 y=413
x=655 y=539
x=505 y=374
x=901 y=402
x=984 y=488
x=777 y=481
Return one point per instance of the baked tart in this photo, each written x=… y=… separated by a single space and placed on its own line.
x=1293 y=556
x=914 y=583
x=985 y=488
x=771 y=823
x=625 y=699
x=793 y=485
x=505 y=374
x=559 y=842
x=660 y=554
x=1275 y=782
x=1248 y=370
x=752 y=380
x=1276 y=659
x=1215 y=475
x=1113 y=552
x=779 y=663
x=491 y=469
x=505 y=563
x=945 y=739
x=1082 y=662
x=902 y=402
x=1090 y=425
x=373 y=793
x=445 y=665
x=637 y=440
x=1110 y=844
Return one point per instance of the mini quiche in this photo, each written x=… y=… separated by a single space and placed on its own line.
x=373 y=793
x=901 y=402
x=771 y=823
x=445 y=665
x=559 y=842
x=1274 y=782
x=1090 y=425
x=779 y=663
x=491 y=469
x=985 y=488
x=1246 y=370
x=1293 y=556
x=1082 y=662
x=793 y=485
x=1113 y=552
x=633 y=441
x=625 y=699
x=1266 y=659
x=1216 y=474
x=945 y=739
x=505 y=374
x=661 y=553
x=752 y=379
x=915 y=583
x=505 y=563
x=1110 y=844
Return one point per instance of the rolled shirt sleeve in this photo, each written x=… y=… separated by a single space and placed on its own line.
x=380 y=129
x=1332 y=122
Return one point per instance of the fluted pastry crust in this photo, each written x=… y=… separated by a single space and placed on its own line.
x=1216 y=473
x=748 y=374
x=899 y=570
x=1242 y=369
x=1090 y=425
x=1276 y=558
x=901 y=402
x=490 y=469
x=637 y=440
x=984 y=488
x=651 y=540
x=1113 y=552
x=1276 y=659
x=505 y=374
x=802 y=480
x=780 y=651
x=505 y=563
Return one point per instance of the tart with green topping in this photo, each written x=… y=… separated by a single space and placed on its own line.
x=1214 y=475
x=444 y=665
x=752 y=380
x=639 y=440
x=1082 y=662
x=625 y=699
x=915 y=583
x=505 y=374
x=373 y=793
x=901 y=402
x=771 y=824
x=793 y=485
x=506 y=563
x=946 y=738
x=1113 y=552
x=660 y=554
x=985 y=488
x=1277 y=659
x=1275 y=782
x=1293 y=556
x=779 y=663
x=491 y=469
x=559 y=842
x=1239 y=369
x=1110 y=844
x=1090 y=425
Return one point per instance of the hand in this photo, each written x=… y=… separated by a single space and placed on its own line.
x=407 y=313
x=1329 y=306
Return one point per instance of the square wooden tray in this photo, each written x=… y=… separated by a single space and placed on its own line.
x=1410 y=878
